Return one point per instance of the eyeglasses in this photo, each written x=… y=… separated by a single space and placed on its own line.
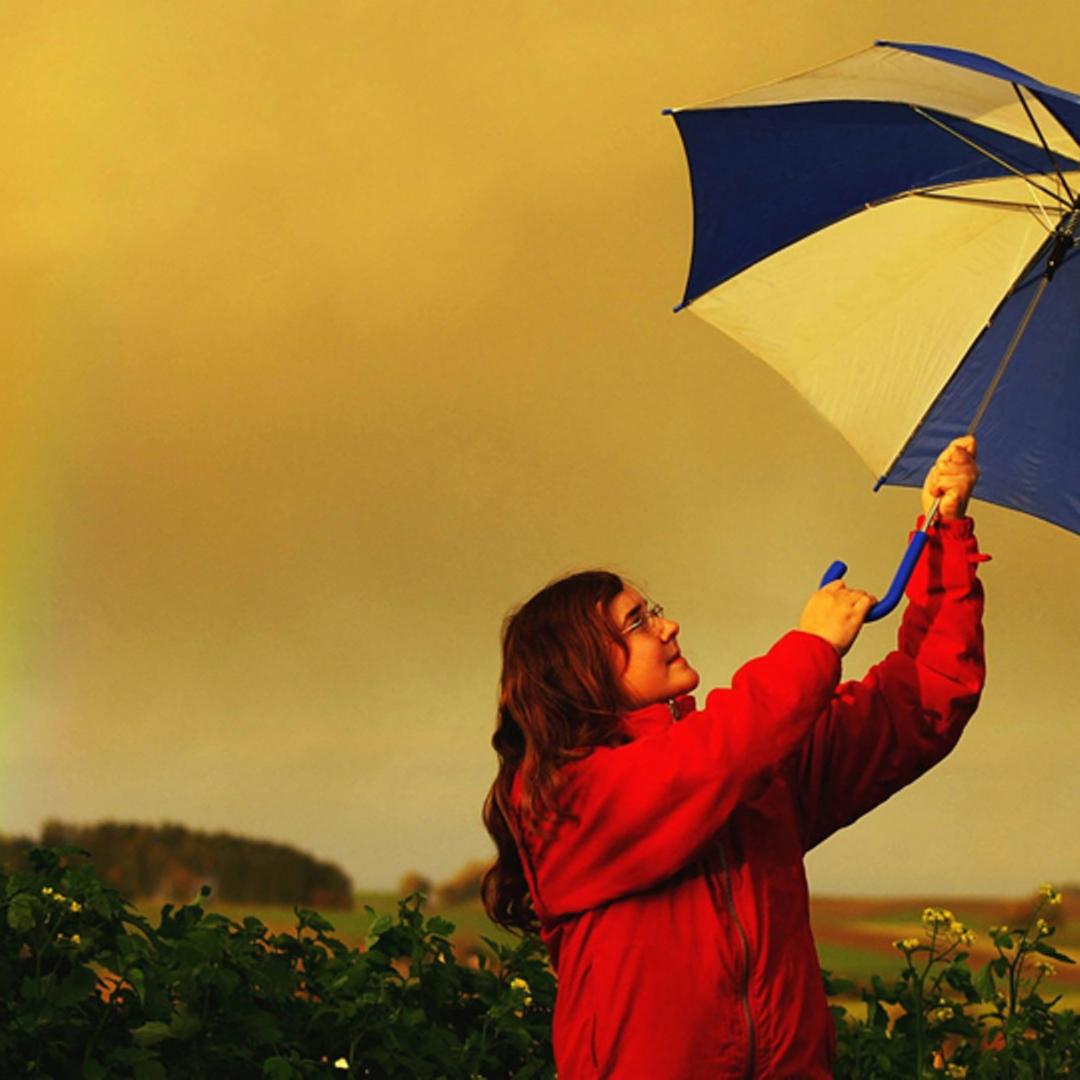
x=646 y=620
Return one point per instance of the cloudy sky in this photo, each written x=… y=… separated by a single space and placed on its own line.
x=333 y=331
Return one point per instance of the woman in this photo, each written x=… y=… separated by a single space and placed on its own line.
x=659 y=847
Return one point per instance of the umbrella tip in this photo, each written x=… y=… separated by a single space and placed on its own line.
x=678 y=307
x=667 y=112
x=880 y=481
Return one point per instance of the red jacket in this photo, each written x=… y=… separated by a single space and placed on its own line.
x=674 y=902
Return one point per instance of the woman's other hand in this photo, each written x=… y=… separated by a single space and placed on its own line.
x=836 y=613
x=952 y=478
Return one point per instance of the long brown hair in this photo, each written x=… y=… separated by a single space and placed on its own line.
x=558 y=698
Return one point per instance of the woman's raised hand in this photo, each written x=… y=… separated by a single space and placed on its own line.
x=836 y=613
x=952 y=478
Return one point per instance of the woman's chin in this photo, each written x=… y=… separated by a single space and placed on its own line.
x=687 y=681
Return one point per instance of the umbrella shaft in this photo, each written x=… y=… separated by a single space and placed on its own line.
x=1021 y=327
x=1063 y=240
x=931 y=515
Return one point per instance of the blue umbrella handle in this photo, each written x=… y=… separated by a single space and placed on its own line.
x=899 y=582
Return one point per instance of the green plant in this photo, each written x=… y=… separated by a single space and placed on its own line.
x=89 y=988
x=1028 y=1035
x=938 y=1018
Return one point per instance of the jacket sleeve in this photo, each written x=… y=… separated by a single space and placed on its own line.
x=882 y=733
x=640 y=812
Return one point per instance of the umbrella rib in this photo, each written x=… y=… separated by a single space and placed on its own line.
x=1004 y=204
x=993 y=157
x=1036 y=210
x=1045 y=144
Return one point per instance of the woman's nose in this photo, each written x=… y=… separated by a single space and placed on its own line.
x=668 y=629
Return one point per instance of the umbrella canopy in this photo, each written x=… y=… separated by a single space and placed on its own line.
x=879 y=230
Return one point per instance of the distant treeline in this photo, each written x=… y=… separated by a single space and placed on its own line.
x=171 y=862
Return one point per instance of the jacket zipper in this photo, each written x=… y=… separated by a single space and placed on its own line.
x=744 y=987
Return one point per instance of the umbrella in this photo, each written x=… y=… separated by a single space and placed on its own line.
x=894 y=233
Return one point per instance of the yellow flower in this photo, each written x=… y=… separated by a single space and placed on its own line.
x=940 y=1015
x=957 y=1071
x=968 y=937
x=1042 y=926
x=46 y=890
x=1048 y=892
x=1047 y=969
x=75 y=906
x=75 y=939
x=933 y=917
x=341 y=1063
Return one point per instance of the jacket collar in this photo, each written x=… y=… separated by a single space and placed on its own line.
x=655 y=718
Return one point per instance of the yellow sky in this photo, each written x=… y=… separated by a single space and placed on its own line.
x=332 y=331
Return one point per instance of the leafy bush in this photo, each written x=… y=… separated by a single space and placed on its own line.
x=89 y=988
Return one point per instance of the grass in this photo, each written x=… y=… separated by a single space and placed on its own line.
x=855 y=963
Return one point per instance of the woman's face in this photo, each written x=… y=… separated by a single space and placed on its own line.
x=653 y=668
